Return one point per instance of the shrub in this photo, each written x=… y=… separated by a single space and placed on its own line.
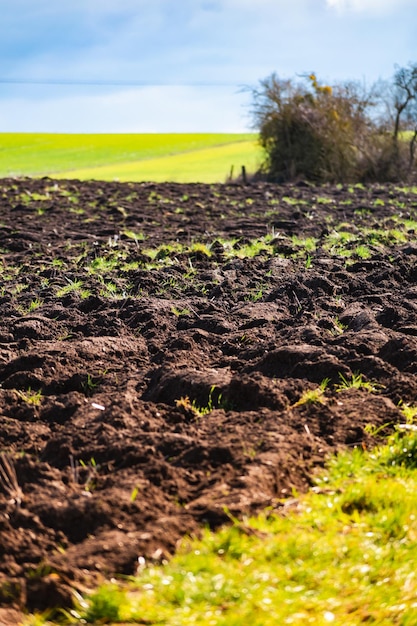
x=325 y=133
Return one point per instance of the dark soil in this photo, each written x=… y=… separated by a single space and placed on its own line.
x=105 y=370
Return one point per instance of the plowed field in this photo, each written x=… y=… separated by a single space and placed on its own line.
x=157 y=343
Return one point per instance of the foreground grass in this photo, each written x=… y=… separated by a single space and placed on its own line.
x=345 y=553
x=109 y=156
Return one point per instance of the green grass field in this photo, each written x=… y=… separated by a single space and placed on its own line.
x=202 y=157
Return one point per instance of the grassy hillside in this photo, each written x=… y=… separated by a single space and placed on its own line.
x=205 y=157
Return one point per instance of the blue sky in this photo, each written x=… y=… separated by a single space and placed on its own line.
x=180 y=65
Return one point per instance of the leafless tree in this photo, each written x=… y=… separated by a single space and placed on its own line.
x=405 y=107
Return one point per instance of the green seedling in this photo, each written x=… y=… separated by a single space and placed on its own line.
x=200 y=248
x=180 y=312
x=69 y=194
x=35 y=304
x=130 y=266
x=410 y=225
x=409 y=412
x=90 y=471
x=74 y=286
x=386 y=237
x=313 y=396
x=29 y=197
x=168 y=285
x=339 y=327
x=309 y=244
x=134 y=494
x=155 y=197
x=255 y=248
x=255 y=294
x=135 y=236
x=102 y=264
x=122 y=211
x=91 y=383
x=32 y=398
x=356 y=382
x=113 y=291
x=362 y=252
x=18 y=288
x=288 y=200
x=363 y=212
x=201 y=411
x=163 y=252
x=109 y=290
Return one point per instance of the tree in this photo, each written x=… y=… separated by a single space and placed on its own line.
x=311 y=131
x=405 y=107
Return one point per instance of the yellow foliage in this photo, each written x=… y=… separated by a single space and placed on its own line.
x=326 y=89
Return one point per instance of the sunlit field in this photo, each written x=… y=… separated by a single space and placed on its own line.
x=129 y=157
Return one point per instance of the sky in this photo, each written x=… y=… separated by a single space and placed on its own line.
x=110 y=66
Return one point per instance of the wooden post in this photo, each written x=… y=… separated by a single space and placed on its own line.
x=244 y=177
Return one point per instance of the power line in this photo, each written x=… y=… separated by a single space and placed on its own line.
x=113 y=83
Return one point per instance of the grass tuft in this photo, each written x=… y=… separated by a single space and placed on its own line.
x=356 y=382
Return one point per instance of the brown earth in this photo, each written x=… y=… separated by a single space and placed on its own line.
x=107 y=453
